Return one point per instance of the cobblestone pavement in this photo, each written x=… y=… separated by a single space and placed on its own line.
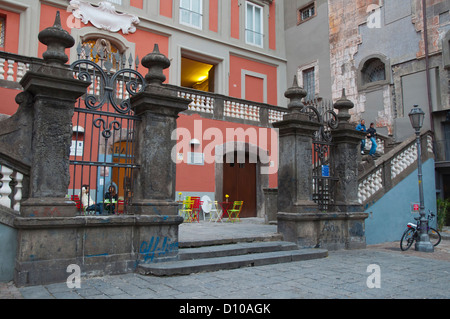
x=342 y=275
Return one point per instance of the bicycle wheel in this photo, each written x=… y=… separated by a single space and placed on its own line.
x=435 y=237
x=407 y=239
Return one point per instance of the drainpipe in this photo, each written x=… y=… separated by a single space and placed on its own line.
x=427 y=62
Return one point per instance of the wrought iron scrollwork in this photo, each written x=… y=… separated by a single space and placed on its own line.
x=323 y=180
x=328 y=120
x=105 y=83
x=107 y=129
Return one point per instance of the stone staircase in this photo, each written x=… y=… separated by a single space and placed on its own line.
x=390 y=165
x=374 y=156
x=244 y=253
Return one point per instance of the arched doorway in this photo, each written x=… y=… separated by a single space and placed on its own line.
x=244 y=177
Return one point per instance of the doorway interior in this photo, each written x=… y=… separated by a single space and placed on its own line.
x=239 y=182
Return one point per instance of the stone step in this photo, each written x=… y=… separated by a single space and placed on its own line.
x=230 y=240
x=234 y=249
x=186 y=267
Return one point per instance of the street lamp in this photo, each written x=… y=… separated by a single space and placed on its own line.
x=417 y=117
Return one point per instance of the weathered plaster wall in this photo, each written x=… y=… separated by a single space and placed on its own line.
x=392 y=29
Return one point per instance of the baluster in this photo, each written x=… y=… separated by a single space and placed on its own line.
x=232 y=109
x=97 y=87
x=227 y=108
x=245 y=108
x=202 y=104
x=5 y=190
x=120 y=90
x=196 y=104
x=2 y=69
x=257 y=114
x=240 y=113
x=18 y=195
x=10 y=72
x=21 y=69
x=208 y=104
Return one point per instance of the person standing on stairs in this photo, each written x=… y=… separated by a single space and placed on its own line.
x=362 y=127
x=372 y=135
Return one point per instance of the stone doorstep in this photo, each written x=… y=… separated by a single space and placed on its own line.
x=249 y=259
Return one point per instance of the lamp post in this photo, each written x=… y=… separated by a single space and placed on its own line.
x=417 y=117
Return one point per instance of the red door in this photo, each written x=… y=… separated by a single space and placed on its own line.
x=239 y=182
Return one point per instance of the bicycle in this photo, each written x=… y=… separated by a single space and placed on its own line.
x=412 y=233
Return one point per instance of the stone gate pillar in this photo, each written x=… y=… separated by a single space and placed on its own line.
x=299 y=219
x=296 y=132
x=158 y=108
x=345 y=150
x=54 y=92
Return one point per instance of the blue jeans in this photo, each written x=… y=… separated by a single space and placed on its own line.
x=363 y=145
x=373 y=149
x=96 y=207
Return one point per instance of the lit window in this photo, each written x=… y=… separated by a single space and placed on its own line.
x=306 y=13
x=2 y=32
x=254 y=24
x=191 y=13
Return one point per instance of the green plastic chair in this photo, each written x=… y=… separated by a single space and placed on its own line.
x=233 y=213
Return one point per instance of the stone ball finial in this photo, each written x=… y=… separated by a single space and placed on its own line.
x=343 y=105
x=295 y=94
x=57 y=40
x=155 y=62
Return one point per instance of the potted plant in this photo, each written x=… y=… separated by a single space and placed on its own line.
x=443 y=207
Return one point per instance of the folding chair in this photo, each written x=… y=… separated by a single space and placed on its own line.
x=120 y=207
x=186 y=210
x=233 y=213
x=206 y=206
x=76 y=199
x=216 y=213
x=196 y=208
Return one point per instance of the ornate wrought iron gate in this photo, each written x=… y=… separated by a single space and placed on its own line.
x=323 y=175
x=102 y=152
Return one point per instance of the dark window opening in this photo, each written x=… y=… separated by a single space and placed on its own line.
x=309 y=83
x=2 y=31
x=374 y=70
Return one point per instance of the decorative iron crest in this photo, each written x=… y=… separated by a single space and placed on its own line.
x=110 y=81
x=323 y=113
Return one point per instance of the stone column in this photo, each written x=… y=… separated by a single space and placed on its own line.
x=54 y=91
x=158 y=108
x=296 y=132
x=346 y=140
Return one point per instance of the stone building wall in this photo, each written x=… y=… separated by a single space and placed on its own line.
x=392 y=30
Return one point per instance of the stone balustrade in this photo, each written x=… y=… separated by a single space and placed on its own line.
x=13 y=66
x=391 y=168
x=231 y=109
x=10 y=188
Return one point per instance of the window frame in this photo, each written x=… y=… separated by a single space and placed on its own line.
x=246 y=30
x=310 y=5
x=305 y=67
x=311 y=93
x=3 y=32
x=191 y=12
x=362 y=84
